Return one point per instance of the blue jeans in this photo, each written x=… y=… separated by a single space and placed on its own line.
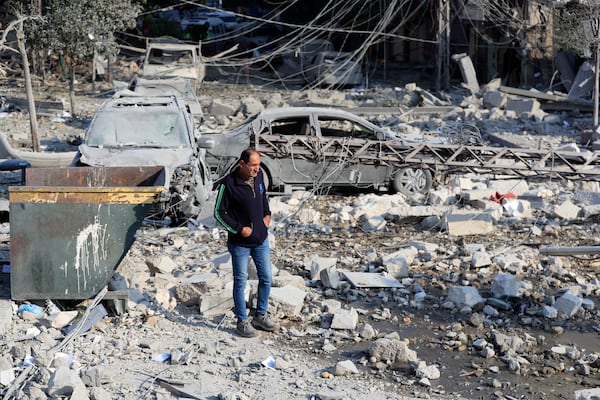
x=262 y=259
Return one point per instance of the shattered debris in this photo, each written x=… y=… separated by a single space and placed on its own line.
x=448 y=294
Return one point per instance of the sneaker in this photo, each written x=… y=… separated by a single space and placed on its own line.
x=244 y=328
x=264 y=322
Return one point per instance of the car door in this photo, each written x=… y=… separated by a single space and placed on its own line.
x=349 y=152
x=292 y=148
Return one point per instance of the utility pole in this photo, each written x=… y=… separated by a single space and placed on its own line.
x=443 y=46
x=595 y=28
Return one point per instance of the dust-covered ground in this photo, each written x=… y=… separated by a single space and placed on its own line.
x=507 y=347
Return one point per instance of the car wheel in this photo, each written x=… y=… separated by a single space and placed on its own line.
x=412 y=181
x=266 y=179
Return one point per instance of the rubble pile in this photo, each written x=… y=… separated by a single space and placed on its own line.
x=379 y=296
x=482 y=292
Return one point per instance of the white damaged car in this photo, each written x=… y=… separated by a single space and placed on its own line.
x=133 y=130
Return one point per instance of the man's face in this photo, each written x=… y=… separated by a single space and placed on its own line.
x=251 y=168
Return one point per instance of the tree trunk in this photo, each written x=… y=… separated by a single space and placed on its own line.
x=596 y=86
x=35 y=139
x=71 y=68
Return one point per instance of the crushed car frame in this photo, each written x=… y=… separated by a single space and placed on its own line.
x=132 y=130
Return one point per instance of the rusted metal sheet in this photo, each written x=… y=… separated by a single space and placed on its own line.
x=66 y=241
x=96 y=176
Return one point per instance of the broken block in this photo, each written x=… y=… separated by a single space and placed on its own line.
x=461 y=223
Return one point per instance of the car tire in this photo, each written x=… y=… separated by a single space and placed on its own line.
x=412 y=181
x=266 y=179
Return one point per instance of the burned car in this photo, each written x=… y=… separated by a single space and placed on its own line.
x=312 y=147
x=168 y=57
x=130 y=130
x=316 y=62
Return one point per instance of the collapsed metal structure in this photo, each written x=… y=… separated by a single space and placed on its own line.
x=433 y=158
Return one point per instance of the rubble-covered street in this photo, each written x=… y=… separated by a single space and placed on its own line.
x=463 y=293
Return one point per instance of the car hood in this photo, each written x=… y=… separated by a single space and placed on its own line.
x=128 y=157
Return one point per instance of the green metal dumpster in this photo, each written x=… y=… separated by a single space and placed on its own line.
x=71 y=227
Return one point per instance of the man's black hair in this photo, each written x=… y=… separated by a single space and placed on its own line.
x=245 y=156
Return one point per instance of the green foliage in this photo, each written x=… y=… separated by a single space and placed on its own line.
x=573 y=28
x=73 y=28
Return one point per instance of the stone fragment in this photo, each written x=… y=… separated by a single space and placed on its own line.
x=587 y=394
x=216 y=304
x=494 y=99
x=98 y=393
x=162 y=264
x=428 y=371
x=464 y=296
x=65 y=382
x=288 y=299
x=523 y=107
x=5 y=315
x=505 y=186
x=284 y=279
x=251 y=106
x=374 y=223
x=462 y=223
x=391 y=350
x=480 y=259
x=566 y=210
x=504 y=285
x=568 y=304
x=517 y=208
x=320 y=263
x=330 y=278
x=331 y=305
x=346 y=367
x=345 y=319
x=60 y=319
x=7 y=372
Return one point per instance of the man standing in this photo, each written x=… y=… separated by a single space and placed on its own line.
x=242 y=207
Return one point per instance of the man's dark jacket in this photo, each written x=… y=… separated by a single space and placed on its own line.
x=239 y=205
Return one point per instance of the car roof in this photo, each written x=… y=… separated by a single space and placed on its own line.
x=126 y=99
x=271 y=113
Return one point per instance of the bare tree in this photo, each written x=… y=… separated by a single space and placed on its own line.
x=18 y=27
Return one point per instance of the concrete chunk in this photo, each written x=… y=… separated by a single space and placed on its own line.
x=504 y=285
x=288 y=299
x=461 y=223
x=494 y=99
x=526 y=107
x=345 y=319
x=330 y=278
x=5 y=315
x=464 y=296
x=216 y=304
x=566 y=210
x=320 y=263
x=587 y=394
x=345 y=367
x=568 y=304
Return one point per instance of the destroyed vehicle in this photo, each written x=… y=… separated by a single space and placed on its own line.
x=312 y=147
x=180 y=87
x=168 y=58
x=333 y=69
x=130 y=130
x=317 y=63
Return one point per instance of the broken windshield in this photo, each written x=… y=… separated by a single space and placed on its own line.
x=138 y=127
